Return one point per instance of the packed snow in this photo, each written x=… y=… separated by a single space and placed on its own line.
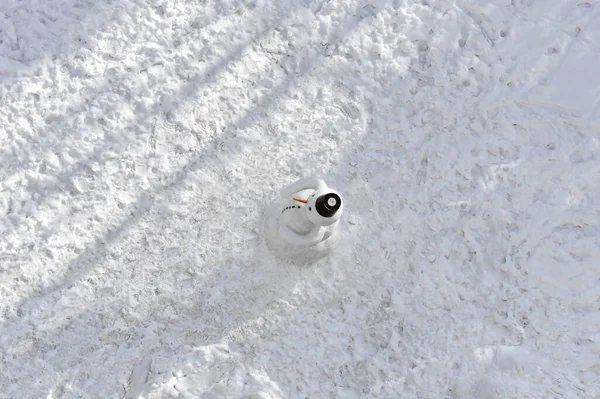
x=141 y=139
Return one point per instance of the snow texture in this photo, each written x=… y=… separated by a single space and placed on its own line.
x=140 y=139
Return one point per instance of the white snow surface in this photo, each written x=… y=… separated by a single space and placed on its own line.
x=140 y=139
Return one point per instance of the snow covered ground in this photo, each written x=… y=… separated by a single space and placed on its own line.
x=140 y=139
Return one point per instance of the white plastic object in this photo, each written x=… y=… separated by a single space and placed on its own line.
x=302 y=226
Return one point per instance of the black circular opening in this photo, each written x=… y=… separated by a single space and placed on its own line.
x=328 y=204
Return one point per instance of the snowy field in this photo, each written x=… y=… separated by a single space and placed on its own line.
x=140 y=140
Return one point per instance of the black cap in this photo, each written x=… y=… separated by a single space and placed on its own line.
x=328 y=204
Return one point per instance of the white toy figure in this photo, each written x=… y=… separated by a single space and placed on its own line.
x=302 y=226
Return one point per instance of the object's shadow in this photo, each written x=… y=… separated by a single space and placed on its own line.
x=91 y=167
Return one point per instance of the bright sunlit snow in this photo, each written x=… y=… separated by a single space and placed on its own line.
x=140 y=141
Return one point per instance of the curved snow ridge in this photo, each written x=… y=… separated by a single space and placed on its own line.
x=209 y=371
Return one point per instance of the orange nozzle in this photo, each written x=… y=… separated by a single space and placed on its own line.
x=300 y=200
